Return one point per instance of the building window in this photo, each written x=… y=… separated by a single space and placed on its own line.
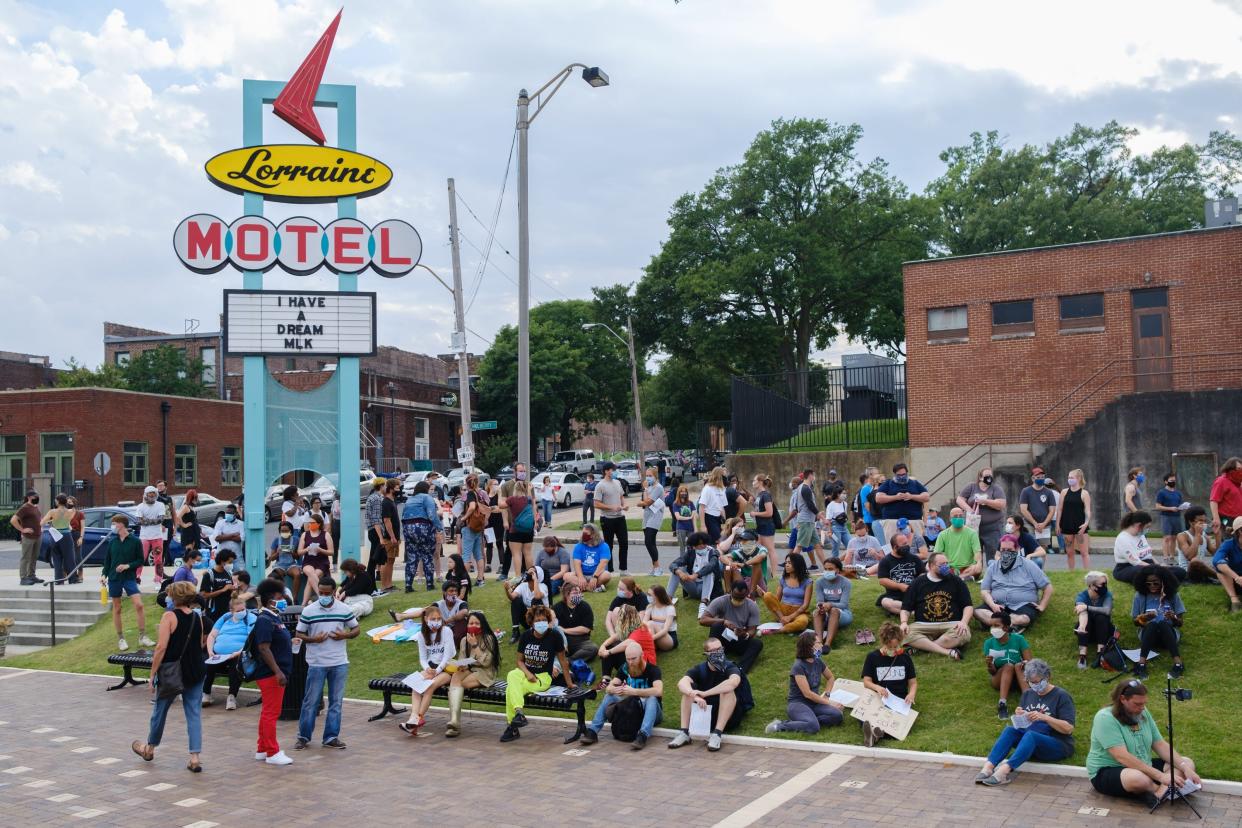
x=208 y=356
x=946 y=324
x=121 y=359
x=1150 y=298
x=56 y=456
x=1013 y=317
x=230 y=466
x=1082 y=310
x=291 y=364
x=185 y=464
x=12 y=470
x=134 y=465
x=420 y=428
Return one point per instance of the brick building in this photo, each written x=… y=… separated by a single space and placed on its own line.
x=25 y=371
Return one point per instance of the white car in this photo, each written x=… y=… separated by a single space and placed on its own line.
x=627 y=472
x=567 y=488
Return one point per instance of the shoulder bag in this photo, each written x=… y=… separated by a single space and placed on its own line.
x=171 y=682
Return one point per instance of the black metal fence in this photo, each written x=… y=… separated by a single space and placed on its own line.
x=13 y=491
x=855 y=406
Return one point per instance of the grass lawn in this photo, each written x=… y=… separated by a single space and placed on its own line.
x=956 y=703
x=864 y=434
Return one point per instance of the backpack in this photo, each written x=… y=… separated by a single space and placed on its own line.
x=1113 y=660
x=582 y=672
x=873 y=508
x=856 y=505
x=476 y=521
x=525 y=521
x=627 y=718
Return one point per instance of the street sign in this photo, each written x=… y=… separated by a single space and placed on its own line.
x=103 y=463
x=483 y=425
x=465 y=454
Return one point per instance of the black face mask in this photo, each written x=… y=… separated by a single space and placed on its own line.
x=987 y=480
x=1172 y=484
x=902 y=550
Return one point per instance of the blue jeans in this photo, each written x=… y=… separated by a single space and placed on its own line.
x=547 y=511
x=1025 y=744
x=191 y=705
x=315 y=679
x=652 y=713
x=840 y=539
x=471 y=544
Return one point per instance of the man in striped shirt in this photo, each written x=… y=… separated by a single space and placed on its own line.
x=324 y=626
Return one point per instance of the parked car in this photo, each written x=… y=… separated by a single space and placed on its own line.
x=505 y=474
x=627 y=472
x=457 y=476
x=272 y=501
x=97 y=527
x=325 y=487
x=410 y=481
x=579 y=461
x=208 y=509
x=567 y=487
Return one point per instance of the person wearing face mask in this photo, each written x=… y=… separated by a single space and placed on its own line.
x=576 y=619
x=832 y=604
x=27 y=521
x=1225 y=499
x=1170 y=504
x=1005 y=653
x=918 y=544
x=590 y=561
x=652 y=503
x=522 y=520
x=939 y=604
x=697 y=572
x=1074 y=518
x=524 y=593
x=315 y=550
x=324 y=626
x=630 y=594
x=742 y=557
x=554 y=560
x=1048 y=713
x=453 y=610
x=716 y=684
x=420 y=527
x=282 y=554
x=122 y=560
x=227 y=534
x=217 y=585
x=185 y=572
x=808 y=709
x=1159 y=614
x=1038 y=506
x=1028 y=544
x=588 y=500
x=274 y=646
x=356 y=588
x=961 y=546
x=901 y=496
x=733 y=619
x=1094 y=608
x=933 y=526
x=151 y=514
x=436 y=650
x=986 y=500
x=895 y=572
x=1016 y=584
x=1132 y=494
x=227 y=638
x=477 y=661
x=538 y=647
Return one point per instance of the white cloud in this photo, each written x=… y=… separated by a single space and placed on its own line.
x=1154 y=137
x=114 y=45
x=4 y=233
x=24 y=176
x=390 y=76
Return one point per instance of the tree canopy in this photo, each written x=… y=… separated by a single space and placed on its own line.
x=162 y=370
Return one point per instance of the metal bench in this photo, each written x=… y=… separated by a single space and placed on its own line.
x=574 y=700
x=139 y=660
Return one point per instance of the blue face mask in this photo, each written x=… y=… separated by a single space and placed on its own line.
x=541 y=627
x=230 y=518
x=944 y=570
x=1040 y=687
x=281 y=605
x=326 y=600
x=830 y=575
x=1139 y=478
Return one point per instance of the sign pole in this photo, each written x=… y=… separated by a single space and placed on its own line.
x=349 y=421
x=466 y=452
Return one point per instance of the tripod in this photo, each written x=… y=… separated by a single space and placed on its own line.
x=1174 y=793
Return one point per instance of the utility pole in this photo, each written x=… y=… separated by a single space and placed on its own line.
x=459 y=338
x=523 y=389
x=638 y=412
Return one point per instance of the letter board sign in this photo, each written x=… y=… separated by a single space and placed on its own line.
x=299 y=323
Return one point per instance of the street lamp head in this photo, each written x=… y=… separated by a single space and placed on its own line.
x=595 y=76
x=586 y=326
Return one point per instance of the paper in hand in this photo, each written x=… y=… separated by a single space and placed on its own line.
x=700 y=721
x=728 y=635
x=897 y=705
x=416 y=682
x=843 y=697
x=1020 y=721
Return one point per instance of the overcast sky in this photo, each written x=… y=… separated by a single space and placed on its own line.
x=109 y=109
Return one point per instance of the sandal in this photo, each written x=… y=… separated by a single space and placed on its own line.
x=146 y=755
x=955 y=654
x=393 y=615
x=194 y=767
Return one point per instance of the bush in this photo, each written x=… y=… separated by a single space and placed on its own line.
x=7 y=532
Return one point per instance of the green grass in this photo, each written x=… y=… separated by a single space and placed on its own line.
x=956 y=703
x=864 y=434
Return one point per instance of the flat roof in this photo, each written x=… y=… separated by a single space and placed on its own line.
x=113 y=339
x=45 y=390
x=1117 y=240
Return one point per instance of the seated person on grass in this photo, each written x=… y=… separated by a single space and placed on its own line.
x=629 y=593
x=1159 y=613
x=832 y=603
x=1015 y=583
x=1094 y=608
x=917 y=544
x=590 y=561
x=791 y=600
x=863 y=551
x=1228 y=565
x=697 y=571
x=742 y=556
x=716 y=684
x=661 y=619
x=1047 y=734
x=936 y=611
x=888 y=670
x=1005 y=654
x=807 y=707
x=523 y=593
x=896 y=572
x=733 y=619
x=630 y=627
x=639 y=681
x=960 y=546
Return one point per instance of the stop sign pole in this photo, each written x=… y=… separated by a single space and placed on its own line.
x=103 y=464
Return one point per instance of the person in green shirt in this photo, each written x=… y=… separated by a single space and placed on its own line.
x=1128 y=755
x=960 y=544
x=120 y=576
x=1005 y=652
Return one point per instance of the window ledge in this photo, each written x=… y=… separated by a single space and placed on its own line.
x=1070 y=331
x=957 y=340
x=1022 y=335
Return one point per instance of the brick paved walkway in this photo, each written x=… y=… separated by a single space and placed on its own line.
x=74 y=767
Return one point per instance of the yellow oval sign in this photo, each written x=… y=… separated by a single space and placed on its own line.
x=298 y=172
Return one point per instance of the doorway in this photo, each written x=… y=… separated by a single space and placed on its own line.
x=1153 y=344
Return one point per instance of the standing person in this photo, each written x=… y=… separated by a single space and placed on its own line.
x=324 y=626
x=902 y=497
x=76 y=523
x=547 y=498
x=390 y=548
x=186 y=521
x=28 y=521
x=1132 y=494
x=217 y=584
x=712 y=503
x=421 y=527
x=737 y=499
x=652 y=504
x=808 y=513
x=538 y=647
x=832 y=604
x=588 y=501
x=227 y=534
x=792 y=598
x=161 y=494
x=1049 y=736
x=122 y=562
x=939 y=603
x=1038 y=506
x=987 y=500
x=807 y=707
x=639 y=680
x=683 y=517
x=274 y=646
x=152 y=514
x=521 y=520
x=1225 y=499
x=1169 y=502
x=336 y=526
x=1074 y=517
x=63 y=558
x=889 y=671
x=837 y=517
x=495 y=539
x=1159 y=613
x=373 y=518
x=764 y=513
x=180 y=639
x=1094 y=608
x=610 y=494
x=477 y=663
x=436 y=649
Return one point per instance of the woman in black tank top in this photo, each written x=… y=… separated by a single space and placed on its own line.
x=1073 y=517
x=180 y=639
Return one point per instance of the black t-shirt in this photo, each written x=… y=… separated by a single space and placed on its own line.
x=388 y=511
x=361 y=584
x=568 y=617
x=903 y=570
x=704 y=678
x=269 y=629
x=893 y=673
x=936 y=601
x=538 y=653
x=644 y=680
x=1056 y=703
x=638 y=601
x=212 y=581
x=761 y=501
x=730 y=509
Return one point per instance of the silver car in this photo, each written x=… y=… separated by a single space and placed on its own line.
x=627 y=472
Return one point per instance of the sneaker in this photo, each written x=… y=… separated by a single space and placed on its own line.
x=1002 y=710
x=657 y=572
x=145 y=641
x=511 y=733
x=1082 y=662
x=1140 y=671
x=1178 y=670
x=870 y=635
x=37 y=580
x=625 y=573
x=336 y=744
x=640 y=741
x=231 y=702
x=519 y=719
x=680 y=740
x=408 y=589
x=589 y=737
x=122 y=644
x=27 y=582
x=980 y=776
x=599 y=588
x=410 y=727
x=279 y=759
x=868 y=734
x=995 y=781
x=773 y=726
x=260 y=756
x=860 y=638
x=207 y=700
x=301 y=743
x=515 y=633
x=702 y=609
x=713 y=741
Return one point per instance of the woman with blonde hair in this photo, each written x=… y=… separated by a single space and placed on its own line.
x=630 y=627
x=712 y=503
x=1074 y=517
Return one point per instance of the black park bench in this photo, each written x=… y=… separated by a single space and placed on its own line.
x=140 y=660
x=574 y=700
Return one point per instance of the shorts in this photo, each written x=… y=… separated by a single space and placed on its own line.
x=847 y=617
x=514 y=536
x=807 y=537
x=1108 y=780
x=1029 y=610
x=128 y=587
x=1171 y=524
x=765 y=528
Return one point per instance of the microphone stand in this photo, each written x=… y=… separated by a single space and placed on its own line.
x=1173 y=793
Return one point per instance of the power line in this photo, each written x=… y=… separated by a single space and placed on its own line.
x=491 y=231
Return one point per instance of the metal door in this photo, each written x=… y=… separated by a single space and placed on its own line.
x=1153 y=345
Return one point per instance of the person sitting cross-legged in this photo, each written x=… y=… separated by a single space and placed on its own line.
x=896 y=571
x=639 y=681
x=1014 y=583
x=791 y=598
x=718 y=684
x=939 y=603
x=1043 y=728
x=832 y=603
x=733 y=619
x=697 y=571
x=1227 y=562
x=808 y=708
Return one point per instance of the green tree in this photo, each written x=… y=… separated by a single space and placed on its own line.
x=679 y=395
x=495 y=452
x=1083 y=186
x=162 y=370
x=77 y=375
x=575 y=375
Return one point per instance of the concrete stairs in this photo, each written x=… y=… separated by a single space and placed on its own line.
x=76 y=610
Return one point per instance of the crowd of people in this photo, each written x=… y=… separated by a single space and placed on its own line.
x=729 y=567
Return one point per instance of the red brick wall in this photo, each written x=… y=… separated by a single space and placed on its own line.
x=103 y=419
x=985 y=389
x=15 y=374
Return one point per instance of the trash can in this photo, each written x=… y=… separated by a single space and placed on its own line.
x=295 y=687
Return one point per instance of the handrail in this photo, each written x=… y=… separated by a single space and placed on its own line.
x=51 y=585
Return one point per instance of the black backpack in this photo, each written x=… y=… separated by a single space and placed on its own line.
x=627 y=718
x=1113 y=660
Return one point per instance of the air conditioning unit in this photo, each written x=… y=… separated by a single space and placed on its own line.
x=1221 y=212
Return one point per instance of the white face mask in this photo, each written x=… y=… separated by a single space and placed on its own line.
x=1010 y=529
x=998 y=632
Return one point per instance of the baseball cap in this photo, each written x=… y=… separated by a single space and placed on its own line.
x=749 y=535
x=1237 y=524
x=933 y=511
x=150 y=490
x=832 y=471
x=903 y=523
x=1037 y=470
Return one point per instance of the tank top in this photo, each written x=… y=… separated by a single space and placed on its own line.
x=1073 y=513
x=190 y=534
x=1138 y=498
x=187 y=636
x=61 y=522
x=1203 y=549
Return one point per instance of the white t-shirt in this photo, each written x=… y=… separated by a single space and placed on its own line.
x=439 y=651
x=661 y=614
x=712 y=501
x=1131 y=549
x=835 y=507
x=527 y=595
x=545 y=492
x=155 y=512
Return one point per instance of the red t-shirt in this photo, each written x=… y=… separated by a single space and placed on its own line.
x=29 y=517
x=1227 y=496
x=643 y=636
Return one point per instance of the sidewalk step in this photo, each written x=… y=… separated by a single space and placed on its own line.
x=64 y=629
x=9 y=605
x=71 y=616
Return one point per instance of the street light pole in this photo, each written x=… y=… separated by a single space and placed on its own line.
x=459 y=337
x=596 y=78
